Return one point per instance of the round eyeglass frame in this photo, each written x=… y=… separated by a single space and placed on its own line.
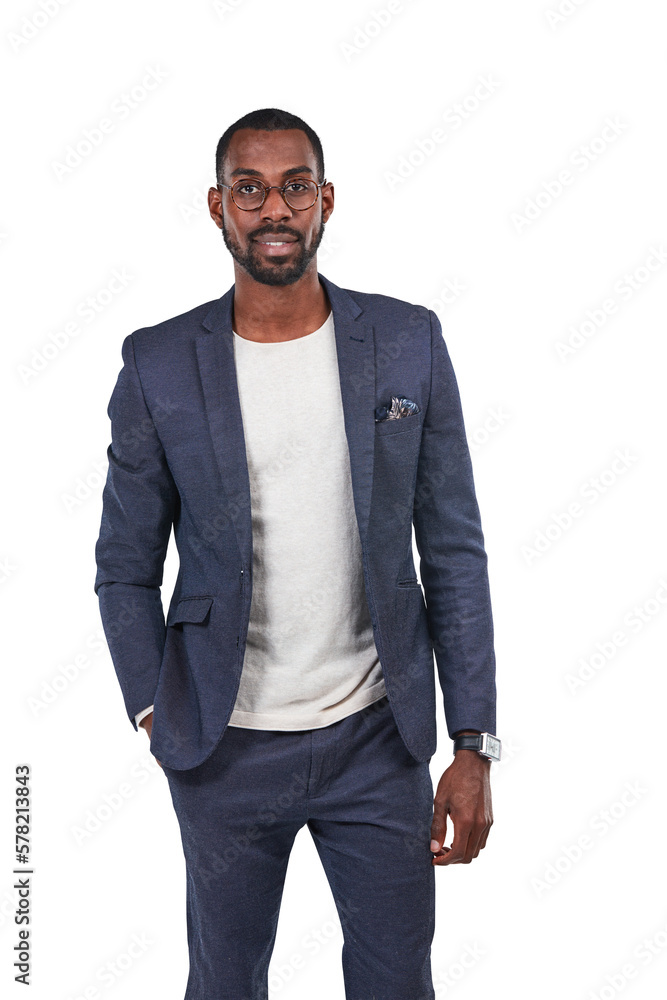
x=266 y=188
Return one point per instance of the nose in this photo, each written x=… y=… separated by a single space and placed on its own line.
x=275 y=207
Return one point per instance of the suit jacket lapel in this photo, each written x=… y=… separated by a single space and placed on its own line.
x=356 y=369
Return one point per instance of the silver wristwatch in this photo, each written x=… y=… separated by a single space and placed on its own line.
x=486 y=744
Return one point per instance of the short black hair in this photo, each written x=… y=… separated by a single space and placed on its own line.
x=268 y=120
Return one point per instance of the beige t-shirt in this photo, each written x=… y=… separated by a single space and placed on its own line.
x=310 y=657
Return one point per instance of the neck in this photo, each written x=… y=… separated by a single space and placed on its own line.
x=278 y=312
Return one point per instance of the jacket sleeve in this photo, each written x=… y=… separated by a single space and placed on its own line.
x=453 y=561
x=142 y=715
x=139 y=504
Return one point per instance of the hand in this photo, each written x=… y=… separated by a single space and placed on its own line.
x=464 y=791
x=147 y=724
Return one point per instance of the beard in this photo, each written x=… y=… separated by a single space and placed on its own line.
x=278 y=271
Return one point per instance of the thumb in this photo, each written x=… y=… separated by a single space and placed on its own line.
x=438 y=832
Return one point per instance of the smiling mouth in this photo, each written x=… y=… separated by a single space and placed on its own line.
x=274 y=247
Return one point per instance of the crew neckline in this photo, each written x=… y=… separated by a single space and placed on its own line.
x=283 y=343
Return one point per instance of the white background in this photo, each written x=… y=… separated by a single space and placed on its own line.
x=539 y=918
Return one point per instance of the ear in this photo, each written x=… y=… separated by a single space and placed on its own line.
x=327 y=201
x=215 y=205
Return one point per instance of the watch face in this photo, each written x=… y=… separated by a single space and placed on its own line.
x=493 y=747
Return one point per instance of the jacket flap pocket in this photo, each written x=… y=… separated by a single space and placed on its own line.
x=190 y=609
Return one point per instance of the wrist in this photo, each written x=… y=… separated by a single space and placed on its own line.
x=471 y=756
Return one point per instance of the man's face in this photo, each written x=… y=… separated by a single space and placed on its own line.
x=273 y=158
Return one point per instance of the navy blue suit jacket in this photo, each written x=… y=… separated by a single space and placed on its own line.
x=177 y=458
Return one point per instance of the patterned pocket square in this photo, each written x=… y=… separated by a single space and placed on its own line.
x=400 y=406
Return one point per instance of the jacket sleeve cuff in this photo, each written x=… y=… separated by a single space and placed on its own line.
x=144 y=712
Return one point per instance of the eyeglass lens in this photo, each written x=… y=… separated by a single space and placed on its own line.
x=300 y=193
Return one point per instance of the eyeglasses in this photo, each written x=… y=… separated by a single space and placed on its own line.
x=298 y=193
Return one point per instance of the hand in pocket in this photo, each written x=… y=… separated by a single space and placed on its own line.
x=147 y=724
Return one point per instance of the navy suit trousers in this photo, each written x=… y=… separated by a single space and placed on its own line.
x=368 y=805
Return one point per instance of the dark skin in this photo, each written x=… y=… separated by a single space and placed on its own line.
x=273 y=312
x=278 y=297
x=463 y=793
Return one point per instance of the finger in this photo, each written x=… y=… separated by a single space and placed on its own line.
x=474 y=843
x=479 y=837
x=440 y=854
x=438 y=830
x=459 y=846
x=485 y=836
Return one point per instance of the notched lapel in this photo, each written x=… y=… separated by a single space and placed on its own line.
x=355 y=348
x=215 y=356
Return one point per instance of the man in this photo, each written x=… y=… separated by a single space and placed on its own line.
x=292 y=432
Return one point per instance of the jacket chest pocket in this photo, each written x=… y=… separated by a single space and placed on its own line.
x=399 y=426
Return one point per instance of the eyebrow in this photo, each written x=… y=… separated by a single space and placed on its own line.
x=249 y=172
